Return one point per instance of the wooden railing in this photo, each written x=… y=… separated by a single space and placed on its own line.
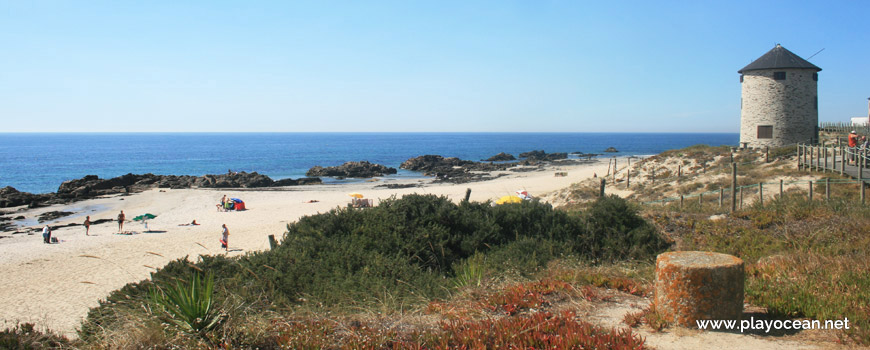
x=844 y=128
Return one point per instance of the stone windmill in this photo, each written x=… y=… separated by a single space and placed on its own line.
x=779 y=101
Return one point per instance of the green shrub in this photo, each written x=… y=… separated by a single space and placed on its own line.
x=189 y=306
x=402 y=252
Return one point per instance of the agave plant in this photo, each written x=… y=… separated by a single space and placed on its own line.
x=190 y=307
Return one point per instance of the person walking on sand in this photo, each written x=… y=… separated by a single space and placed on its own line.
x=121 y=218
x=225 y=238
x=46 y=235
x=87 y=224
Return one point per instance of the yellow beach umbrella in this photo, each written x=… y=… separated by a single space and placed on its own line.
x=509 y=199
x=355 y=195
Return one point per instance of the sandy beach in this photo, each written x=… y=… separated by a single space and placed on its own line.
x=55 y=285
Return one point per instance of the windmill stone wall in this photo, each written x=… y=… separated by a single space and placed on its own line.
x=779 y=104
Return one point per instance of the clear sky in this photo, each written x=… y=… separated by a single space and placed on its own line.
x=572 y=66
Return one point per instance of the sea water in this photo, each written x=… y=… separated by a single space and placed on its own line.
x=39 y=162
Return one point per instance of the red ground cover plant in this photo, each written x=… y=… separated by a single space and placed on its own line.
x=525 y=296
x=542 y=330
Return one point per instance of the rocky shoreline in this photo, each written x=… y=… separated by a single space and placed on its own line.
x=449 y=170
x=91 y=186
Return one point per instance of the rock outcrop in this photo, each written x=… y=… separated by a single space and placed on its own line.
x=362 y=169
x=543 y=156
x=453 y=170
x=10 y=197
x=92 y=186
x=501 y=157
x=611 y=150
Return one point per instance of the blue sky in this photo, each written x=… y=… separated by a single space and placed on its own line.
x=572 y=66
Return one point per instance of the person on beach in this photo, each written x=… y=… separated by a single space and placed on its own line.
x=46 y=235
x=225 y=238
x=87 y=224
x=121 y=218
x=223 y=203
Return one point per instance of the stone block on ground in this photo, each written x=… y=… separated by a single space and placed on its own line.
x=692 y=285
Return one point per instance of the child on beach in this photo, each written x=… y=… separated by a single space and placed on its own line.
x=225 y=237
x=121 y=218
x=87 y=226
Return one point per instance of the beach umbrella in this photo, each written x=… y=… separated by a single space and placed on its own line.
x=509 y=199
x=355 y=195
x=144 y=217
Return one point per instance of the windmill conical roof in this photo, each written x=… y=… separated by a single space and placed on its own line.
x=777 y=58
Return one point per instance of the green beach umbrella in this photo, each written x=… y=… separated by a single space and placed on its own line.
x=144 y=217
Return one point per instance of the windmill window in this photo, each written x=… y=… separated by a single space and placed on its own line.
x=765 y=131
x=815 y=76
x=741 y=78
x=778 y=75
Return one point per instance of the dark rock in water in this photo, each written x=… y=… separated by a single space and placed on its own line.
x=431 y=162
x=10 y=197
x=51 y=215
x=534 y=154
x=453 y=170
x=585 y=155
x=361 y=169
x=611 y=150
x=501 y=157
x=298 y=182
x=543 y=156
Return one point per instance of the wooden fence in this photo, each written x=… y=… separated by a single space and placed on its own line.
x=844 y=128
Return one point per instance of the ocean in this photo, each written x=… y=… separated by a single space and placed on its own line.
x=40 y=162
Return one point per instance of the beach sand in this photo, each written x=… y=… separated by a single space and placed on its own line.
x=55 y=285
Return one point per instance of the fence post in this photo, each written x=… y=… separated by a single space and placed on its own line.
x=800 y=147
x=811 y=157
x=741 y=198
x=826 y=159
x=818 y=158
x=681 y=202
x=679 y=171
x=272 y=242
x=805 y=157
x=842 y=159
x=628 y=178
x=603 y=182
x=721 y=192
x=733 y=187
x=861 y=164
x=700 y=200
x=467 y=194
x=767 y=154
x=811 y=190
x=761 y=194
x=615 y=169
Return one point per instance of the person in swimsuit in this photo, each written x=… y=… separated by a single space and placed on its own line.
x=225 y=237
x=87 y=226
x=121 y=218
